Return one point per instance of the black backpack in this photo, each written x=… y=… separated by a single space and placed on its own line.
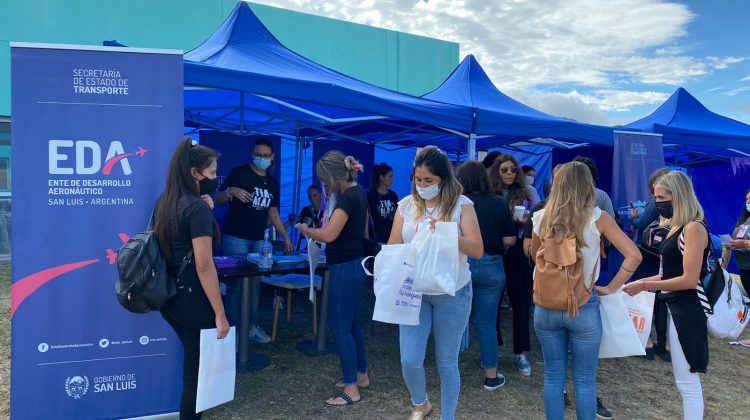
x=653 y=236
x=144 y=284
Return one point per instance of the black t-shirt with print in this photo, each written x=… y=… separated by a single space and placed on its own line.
x=349 y=245
x=249 y=220
x=383 y=210
x=495 y=221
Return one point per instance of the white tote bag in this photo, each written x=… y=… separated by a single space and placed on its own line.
x=641 y=310
x=436 y=258
x=396 y=301
x=619 y=336
x=731 y=313
x=216 y=370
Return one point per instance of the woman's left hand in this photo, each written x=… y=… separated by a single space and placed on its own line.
x=210 y=201
x=432 y=221
x=633 y=288
x=603 y=290
x=302 y=227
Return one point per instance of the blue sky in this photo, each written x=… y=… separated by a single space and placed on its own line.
x=598 y=61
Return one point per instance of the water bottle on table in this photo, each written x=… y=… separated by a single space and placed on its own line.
x=266 y=255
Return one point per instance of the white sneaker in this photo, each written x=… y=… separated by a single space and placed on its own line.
x=258 y=335
x=524 y=368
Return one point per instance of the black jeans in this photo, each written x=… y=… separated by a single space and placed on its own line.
x=745 y=277
x=519 y=284
x=187 y=313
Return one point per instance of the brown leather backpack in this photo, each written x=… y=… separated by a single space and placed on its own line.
x=558 y=278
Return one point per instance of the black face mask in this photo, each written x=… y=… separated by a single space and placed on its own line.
x=664 y=208
x=207 y=186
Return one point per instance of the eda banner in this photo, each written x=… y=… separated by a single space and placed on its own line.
x=93 y=131
x=636 y=157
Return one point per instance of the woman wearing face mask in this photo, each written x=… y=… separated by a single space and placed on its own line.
x=683 y=262
x=436 y=196
x=530 y=174
x=382 y=201
x=344 y=233
x=253 y=196
x=184 y=222
x=509 y=181
x=741 y=245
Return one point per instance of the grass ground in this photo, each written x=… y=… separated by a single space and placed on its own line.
x=295 y=386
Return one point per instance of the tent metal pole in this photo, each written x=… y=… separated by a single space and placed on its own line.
x=242 y=112
x=471 y=147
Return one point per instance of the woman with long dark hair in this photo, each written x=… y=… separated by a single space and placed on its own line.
x=344 y=234
x=184 y=222
x=509 y=181
x=683 y=262
x=382 y=200
x=487 y=273
x=436 y=196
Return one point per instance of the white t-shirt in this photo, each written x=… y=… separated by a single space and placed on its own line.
x=592 y=237
x=408 y=211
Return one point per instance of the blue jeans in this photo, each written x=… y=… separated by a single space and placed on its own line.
x=231 y=245
x=582 y=335
x=488 y=281
x=346 y=280
x=446 y=316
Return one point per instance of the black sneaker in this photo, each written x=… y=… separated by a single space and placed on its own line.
x=602 y=412
x=491 y=384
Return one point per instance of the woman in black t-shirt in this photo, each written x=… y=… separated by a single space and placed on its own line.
x=344 y=233
x=487 y=273
x=183 y=222
x=683 y=261
x=383 y=201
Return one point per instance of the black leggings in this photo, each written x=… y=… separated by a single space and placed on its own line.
x=518 y=283
x=745 y=277
x=188 y=313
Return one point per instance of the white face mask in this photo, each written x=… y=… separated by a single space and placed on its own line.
x=529 y=180
x=428 y=193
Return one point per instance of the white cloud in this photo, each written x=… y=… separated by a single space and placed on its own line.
x=745 y=79
x=737 y=91
x=589 y=54
x=721 y=63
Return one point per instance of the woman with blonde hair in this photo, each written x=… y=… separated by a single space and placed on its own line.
x=684 y=256
x=569 y=213
x=436 y=195
x=344 y=233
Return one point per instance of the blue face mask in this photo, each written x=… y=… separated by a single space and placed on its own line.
x=261 y=163
x=747 y=206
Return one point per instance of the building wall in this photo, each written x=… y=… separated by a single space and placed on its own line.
x=398 y=61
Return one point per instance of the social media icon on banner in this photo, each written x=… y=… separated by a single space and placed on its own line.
x=104 y=343
x=144 y=340
x=43 y=347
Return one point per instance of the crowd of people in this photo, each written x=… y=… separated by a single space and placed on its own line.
x=506 y=237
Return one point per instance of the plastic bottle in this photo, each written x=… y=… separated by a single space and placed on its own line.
x=266 y=255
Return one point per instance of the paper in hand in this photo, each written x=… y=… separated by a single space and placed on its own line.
x=313 y=256
x=725 y=239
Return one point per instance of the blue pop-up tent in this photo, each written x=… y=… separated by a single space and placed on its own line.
x=714 y=148
x=501 y=120
x=242 y=79
x=692 y=132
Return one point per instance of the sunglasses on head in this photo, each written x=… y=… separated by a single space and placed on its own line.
x=511 y=169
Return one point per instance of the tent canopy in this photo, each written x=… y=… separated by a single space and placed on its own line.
x=243 y=79
x=683 y=120
x=501 y=119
